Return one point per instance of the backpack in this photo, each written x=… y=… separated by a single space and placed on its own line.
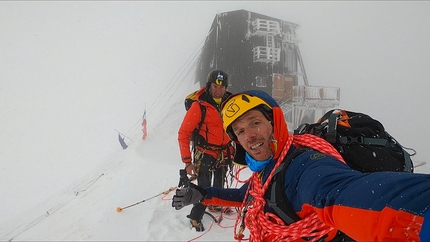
x=190 y=98
x=361 y=140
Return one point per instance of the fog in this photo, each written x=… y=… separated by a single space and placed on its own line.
x=72 y=72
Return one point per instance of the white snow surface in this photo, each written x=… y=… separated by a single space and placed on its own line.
x=71 y=73
x=87 y=209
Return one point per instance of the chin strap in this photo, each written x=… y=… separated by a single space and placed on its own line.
x=218 y=100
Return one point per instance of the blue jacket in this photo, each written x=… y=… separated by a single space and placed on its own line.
x=366 y=206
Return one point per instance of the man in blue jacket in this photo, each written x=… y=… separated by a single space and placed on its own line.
x=326 y=194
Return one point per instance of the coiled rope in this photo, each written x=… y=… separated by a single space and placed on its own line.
x=268 y=226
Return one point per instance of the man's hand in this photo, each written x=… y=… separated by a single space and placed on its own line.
x=189 y=195
x=191 y=169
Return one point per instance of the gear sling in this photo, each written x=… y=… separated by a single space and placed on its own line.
x=279 y=202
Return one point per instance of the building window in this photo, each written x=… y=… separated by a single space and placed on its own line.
x=260 y=81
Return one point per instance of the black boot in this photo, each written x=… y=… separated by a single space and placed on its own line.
x=196 y=216
x=197 y=225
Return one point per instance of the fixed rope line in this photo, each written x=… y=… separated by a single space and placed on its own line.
x=189 y=68
x=124 y=135
x=92 y=183
x=174 y=80
x=51 y=211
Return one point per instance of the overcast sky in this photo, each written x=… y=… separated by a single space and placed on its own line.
x=72 y=72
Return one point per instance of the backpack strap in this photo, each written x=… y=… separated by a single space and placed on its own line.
x=203 y=109
x=409 y=166
x=331 y=134
x=195 y=135
x=363 y=140
x=201 y=141
x=278 y=200
x=332 y=125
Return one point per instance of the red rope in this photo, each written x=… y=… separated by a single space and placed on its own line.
x=267 y=226
x=237 y=170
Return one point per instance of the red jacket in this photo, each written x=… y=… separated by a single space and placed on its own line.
x=211 y=130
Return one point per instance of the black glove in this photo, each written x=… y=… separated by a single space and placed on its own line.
x=189 y=195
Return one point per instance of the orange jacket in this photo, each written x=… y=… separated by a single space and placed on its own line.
x=211 y=130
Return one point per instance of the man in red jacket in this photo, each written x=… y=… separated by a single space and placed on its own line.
x=212 y=146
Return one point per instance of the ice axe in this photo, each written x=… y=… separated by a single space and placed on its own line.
x=119 y=209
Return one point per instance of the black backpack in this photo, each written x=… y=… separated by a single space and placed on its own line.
x=361 y=140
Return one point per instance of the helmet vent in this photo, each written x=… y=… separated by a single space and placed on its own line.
x=245 y=98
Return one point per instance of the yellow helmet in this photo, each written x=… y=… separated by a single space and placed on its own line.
x=238 y=104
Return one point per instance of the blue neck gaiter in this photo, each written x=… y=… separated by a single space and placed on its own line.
x=254 y=165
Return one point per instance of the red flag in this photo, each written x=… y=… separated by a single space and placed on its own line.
x=144 y=125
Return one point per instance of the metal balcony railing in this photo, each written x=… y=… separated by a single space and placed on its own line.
x=316 y=96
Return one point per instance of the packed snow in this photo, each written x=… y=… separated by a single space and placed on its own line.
x=87 y=209
x=72 y=73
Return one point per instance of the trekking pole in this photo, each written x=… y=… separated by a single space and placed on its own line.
x=119 y=209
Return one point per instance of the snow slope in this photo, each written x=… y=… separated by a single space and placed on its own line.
x=86 y=210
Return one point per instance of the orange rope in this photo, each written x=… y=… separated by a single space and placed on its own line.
x=269 y=227
x=167 y=193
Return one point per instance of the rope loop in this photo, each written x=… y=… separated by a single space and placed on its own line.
x=268 y=226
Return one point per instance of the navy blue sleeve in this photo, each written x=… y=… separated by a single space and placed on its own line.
x=321 y=181
x=227 y=195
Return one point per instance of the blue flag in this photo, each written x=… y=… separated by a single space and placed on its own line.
x=122 y=142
